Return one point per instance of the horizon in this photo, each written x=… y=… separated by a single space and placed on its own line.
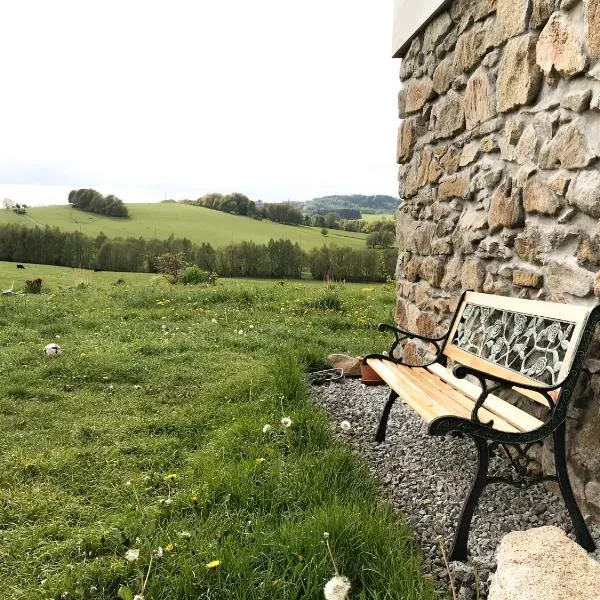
x=202 y=98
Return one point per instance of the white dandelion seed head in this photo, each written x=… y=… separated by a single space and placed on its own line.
x=138 y=597
x=185 y=534
x=241 y=332
x=345 y=426
x=337 y=588
x=132 y=554
x=326 y=535
x=214 y=321
x=168 y=501
x=158 y=553
x=286 y=422
x=267 y=428
x=251 y=326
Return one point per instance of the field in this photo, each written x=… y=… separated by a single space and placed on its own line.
x=371 y=218
x=147 y=433
x=196 y=223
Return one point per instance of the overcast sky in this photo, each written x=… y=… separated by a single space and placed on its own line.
x=278 y=99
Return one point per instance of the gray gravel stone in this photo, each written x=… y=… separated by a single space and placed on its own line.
x=427 y=478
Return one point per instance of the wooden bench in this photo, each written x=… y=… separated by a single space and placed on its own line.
x=537 y=349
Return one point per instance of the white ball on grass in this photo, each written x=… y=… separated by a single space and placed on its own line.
x=52 y=351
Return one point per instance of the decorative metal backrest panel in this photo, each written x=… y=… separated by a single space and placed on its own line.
x=533 y=346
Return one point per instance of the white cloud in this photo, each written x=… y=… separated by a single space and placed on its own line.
x=274 y=98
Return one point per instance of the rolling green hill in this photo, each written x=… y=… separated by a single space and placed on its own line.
x=365 y=204
x=193 y=222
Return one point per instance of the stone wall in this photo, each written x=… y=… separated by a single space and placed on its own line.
x=499 y=150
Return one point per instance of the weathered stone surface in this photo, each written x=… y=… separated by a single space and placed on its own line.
x=409 y=62
x=466 y=11
x=512 y=18
x=577 y=101
x=489 y=144
x=414 y=95
x=519 y=77
x=592 y=27
x=541 y=12
x=528 y=244
x=444 y=75
x=491 y=248
x=469 y=154
x=412 y=268
x=448 y=115
x=538 y=197
x=480 y=105
x=449 y=162
x=560 y=184
x=563 y=277
x=527 y=149
x=406 y=140
x=584 y=193
x=349 y=364
x=472 y=46
x=473 y=274
x=570 y=148
x=588 y=252
x=559 y=48
x=435 y=32
x=432 y=270
x=505 y=207
x=527 y=279
x=454 y=186
x=543 y=563
x=592 y=495
x=453 y=276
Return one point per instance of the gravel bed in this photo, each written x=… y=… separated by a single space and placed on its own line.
x=427 y=478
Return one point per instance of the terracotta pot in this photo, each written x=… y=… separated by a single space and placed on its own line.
x=367 y=375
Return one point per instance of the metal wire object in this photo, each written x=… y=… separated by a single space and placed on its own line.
x=530 y=346
x=321 y=377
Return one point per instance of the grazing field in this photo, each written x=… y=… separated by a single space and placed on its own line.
x=371 y=218
x=193 y=222
x=144 y=440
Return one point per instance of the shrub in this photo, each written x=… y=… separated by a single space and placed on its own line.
x=170 y=264
x=194 y=275
x=33 y=286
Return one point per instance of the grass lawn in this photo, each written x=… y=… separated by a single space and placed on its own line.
x=371 y=218
x=198 y=224
x=148 y=433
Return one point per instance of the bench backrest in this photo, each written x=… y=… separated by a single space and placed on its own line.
x=527 y=341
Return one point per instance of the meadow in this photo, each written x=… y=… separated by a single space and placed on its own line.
x=198 y=224
x=145 y=440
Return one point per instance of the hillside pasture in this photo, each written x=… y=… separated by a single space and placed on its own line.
x=196 y=223
x=146 y=436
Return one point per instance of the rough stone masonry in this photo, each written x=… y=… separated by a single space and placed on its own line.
x=499 y=150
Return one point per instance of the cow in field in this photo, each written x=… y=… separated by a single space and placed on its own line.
x=20 y=266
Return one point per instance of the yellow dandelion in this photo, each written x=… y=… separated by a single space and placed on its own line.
x=170 y=547
x=213 y=564
x=260 y=460
x=171 y=477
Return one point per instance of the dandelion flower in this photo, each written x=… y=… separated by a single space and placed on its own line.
x=345 y=426
x=171 y=477
x=325 y=535
x=170 y=547
x=337 y=588
x=167 y=501
x=214 y=321
x=185 y=534
x=241 y=332
x=260 y=460
x=286 y=422
x=213 y=564
x=138 y=597
x=251 y=326
x=158 y=553
x=267 y=428
x=132 y=554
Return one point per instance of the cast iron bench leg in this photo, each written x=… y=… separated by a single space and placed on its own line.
x=582 y=533
x=380 y=437
x=459 y=547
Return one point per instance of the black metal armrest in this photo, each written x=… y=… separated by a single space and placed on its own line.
x=461 y=371
x=398 y=331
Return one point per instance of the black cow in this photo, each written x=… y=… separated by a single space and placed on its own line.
x=20 y=266
x=97 y=270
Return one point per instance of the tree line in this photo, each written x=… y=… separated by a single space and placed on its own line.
x=93 y=201
x=279 y=259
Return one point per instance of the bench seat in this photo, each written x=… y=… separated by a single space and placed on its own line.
x=434 y=392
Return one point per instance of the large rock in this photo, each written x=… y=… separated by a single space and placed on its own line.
x=444 y=75
x=584 y=193
x=473 y=274
x=573 y=147
x=592 y=27
x=559 y=48
x=529 y=279
x=565 y=278
x=432 y=270
x=519 y=77
x=407 y=137
x=448 y=115
x=480 y=104
x=541 y=12
x=512 y=18
x=466 y=11
x=349 y=364
x=414 y=95
x=454 y=186
x=505 y=207
x=435 y=32
x=472 y=46
x=538 y=197
x=544 y=564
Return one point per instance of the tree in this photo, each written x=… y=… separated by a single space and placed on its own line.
x=8 y=204
x=324 y=231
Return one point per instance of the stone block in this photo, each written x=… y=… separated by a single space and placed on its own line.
x=528 y=279
x=444 y=75
x=454 y=186
x=432 y=270
x=559 y=48
x=584 y=193
x=519 y=77
x=473 y=274
x=539 y=197
x=480 y=105
x=543 y=563
x=563 y=277
x=505 y=207
x=407 y=137
x=588 y=252
x=592 y=27
x=542 y=10
x=578 y=101
x=528 y=244
x=453 y=277
x=469 y=154
x=472 y=46
x=435 y=32
x=573 y=147
x=448 y=115
x=512 y=18
x=413 y=96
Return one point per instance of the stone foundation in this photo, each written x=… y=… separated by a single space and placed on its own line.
x=499 y=150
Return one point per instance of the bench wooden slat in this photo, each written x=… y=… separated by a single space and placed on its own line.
x=511 y=414
x=427 y=408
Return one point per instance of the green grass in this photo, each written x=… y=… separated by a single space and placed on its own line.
x=371 y=218
x=147 y=433
x=197 y=224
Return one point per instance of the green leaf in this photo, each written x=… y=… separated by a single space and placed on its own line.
x=125 y=593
